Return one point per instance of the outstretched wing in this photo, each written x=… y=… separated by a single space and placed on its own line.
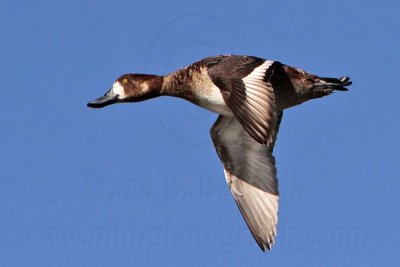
x=245 y=86
x=251 y=176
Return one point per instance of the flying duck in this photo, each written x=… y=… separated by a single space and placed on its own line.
x=249 y=94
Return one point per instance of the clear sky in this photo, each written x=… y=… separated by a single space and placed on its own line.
x=141 y=184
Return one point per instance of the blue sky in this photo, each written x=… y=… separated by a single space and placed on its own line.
x=141 y=185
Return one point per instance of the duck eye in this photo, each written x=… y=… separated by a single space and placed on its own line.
x=125 y=80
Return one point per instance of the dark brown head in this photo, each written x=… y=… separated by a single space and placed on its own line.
x=130 y=88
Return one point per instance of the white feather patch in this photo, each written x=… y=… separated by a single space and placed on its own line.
x=260 y=70
x=118 y=89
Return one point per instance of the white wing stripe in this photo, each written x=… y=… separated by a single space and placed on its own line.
x=258 y=73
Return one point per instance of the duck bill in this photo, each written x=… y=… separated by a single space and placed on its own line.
x=109 y=98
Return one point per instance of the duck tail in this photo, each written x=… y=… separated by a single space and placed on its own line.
x=333 y=83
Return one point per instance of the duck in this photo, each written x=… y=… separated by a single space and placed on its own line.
x=249 y=94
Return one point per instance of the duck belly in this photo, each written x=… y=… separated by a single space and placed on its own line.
x=213 y=101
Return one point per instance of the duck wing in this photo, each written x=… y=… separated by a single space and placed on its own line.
x=250 y=172
x=245 y=85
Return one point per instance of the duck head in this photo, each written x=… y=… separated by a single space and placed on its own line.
x=130 y=88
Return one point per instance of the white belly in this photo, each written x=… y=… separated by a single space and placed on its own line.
x=212 y=100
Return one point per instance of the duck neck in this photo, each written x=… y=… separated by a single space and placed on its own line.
x=177 y=85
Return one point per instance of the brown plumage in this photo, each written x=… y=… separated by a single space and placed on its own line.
x=250 y=95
